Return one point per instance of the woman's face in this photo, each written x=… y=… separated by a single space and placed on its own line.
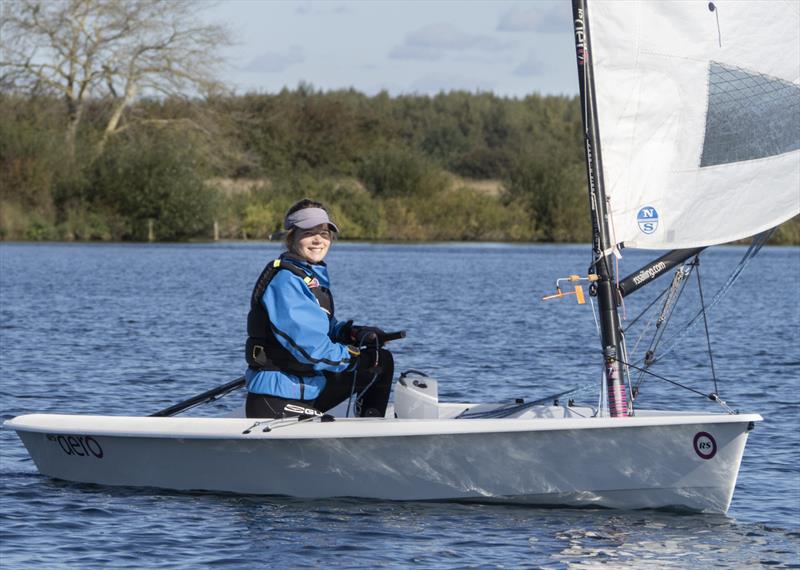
x=312 y=244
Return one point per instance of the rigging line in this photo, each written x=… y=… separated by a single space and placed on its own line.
x=616 y=283
x=594 y=314
x=646 y=327
x=603 y=375
x=755 y=247
x=364 y=391
x=603 y=255
x=505 y=411
x=277 y=423
x=705 y=323
x=352 y=391
x=678 y=384
x=627 y=372
x=678 y=284
x=676 y=289
x=616 y=254
x=647 y=308
x=638 y=340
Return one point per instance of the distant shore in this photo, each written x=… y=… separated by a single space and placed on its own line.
x=459 y=166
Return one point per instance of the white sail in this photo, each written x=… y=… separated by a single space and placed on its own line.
x=699 y=117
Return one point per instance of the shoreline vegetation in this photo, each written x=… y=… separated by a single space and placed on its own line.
x=458 y=166
x=116 y=126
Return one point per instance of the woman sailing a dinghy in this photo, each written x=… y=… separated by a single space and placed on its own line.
x=301 y=359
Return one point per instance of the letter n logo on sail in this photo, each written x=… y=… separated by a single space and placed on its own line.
x=647 y=218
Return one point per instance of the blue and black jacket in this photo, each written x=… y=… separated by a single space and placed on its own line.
x=291 y=330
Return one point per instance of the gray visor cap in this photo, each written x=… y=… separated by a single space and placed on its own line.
x=308 y=218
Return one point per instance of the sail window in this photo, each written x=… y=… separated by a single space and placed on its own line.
x=749 y=116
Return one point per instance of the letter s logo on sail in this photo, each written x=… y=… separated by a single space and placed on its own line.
x=647 y=218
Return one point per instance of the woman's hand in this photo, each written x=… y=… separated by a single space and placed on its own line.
x=366 y=336
x=360 y=335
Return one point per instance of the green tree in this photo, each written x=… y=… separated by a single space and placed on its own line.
x=159 y=176
x=397 y=171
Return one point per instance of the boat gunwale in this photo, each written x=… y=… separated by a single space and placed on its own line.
x=233 y=428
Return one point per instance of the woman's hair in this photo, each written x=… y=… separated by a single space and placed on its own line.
x=303 y=204
x=288 y=239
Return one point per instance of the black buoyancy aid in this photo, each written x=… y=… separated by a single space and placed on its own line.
x=262 y=350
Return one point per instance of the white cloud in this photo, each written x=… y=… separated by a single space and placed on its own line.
x=541 y=17
x=434 y=41
x=531 y=67
x=275 y=62
x=447 y=36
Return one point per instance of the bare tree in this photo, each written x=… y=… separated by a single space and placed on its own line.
x=112 y=50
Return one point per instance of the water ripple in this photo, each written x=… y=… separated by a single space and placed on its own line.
x=130 y=329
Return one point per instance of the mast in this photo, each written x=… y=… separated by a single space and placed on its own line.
x=610 y=332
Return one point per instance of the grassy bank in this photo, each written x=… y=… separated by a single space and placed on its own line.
x=462 y=210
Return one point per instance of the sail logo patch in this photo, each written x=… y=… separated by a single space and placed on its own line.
x=704 y=445
x=647 y=218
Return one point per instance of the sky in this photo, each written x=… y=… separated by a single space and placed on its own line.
x=512 y=49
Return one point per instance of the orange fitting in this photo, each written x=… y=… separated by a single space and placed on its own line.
x=558 y=295
x=579 y=295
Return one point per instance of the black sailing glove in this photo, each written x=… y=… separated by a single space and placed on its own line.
x=344 y=336
x=367 y=336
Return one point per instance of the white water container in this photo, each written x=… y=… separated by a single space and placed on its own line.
x=416 y=397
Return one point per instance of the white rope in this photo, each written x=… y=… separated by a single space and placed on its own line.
x=596 y=322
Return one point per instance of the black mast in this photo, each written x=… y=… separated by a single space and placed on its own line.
x=611 y=334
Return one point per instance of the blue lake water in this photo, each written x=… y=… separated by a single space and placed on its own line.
x=130 y=329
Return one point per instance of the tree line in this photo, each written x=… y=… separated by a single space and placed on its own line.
x=113 y=126
x=457 y=166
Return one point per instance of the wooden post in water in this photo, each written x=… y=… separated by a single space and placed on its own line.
x=151 y=236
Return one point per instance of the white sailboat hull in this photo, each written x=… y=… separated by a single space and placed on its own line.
x=653 y=460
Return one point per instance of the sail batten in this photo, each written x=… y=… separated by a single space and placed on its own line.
x=699 y=114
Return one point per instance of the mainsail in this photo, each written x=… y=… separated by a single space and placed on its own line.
x=698 y=108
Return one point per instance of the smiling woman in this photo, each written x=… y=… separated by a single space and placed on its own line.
x=301 y=359
x=310 y=242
